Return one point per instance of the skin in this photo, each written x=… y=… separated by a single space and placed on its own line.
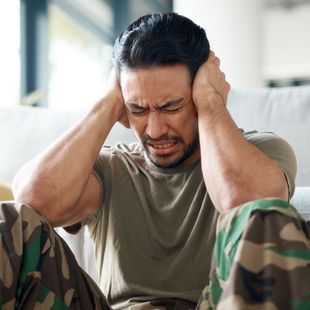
x=59 y=185
x=234 y=170
x=162 y=114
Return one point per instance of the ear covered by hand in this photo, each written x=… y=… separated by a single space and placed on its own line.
x=210 y=83
x=114 y=89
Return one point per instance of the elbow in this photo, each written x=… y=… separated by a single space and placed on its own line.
x=281 y=189
x=44 y=207
x=235 y=196
x=239 y=198
x=31 y=188
x=36 y=195
x=41 y=194
x=30 y=194
x=228 y=202
x=45 y=201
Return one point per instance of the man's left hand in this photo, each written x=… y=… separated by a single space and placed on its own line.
x=210 y=85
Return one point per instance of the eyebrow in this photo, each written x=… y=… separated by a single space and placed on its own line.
x=167 y=104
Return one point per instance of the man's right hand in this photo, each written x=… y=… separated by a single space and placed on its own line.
x=114 y=93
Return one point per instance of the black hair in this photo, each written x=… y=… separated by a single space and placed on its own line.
x=159 y=40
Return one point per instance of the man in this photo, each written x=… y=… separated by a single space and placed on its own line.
x=152 y=207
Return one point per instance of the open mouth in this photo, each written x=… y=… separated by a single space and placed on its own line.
x=162 y=148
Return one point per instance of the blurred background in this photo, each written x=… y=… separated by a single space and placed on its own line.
x=57 y=53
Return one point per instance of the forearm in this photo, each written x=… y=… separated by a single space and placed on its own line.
x=234 y=170
x=56 y=178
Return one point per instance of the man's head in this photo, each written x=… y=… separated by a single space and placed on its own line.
x=157 y=58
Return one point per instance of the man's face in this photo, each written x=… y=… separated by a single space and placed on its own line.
x=162 y=114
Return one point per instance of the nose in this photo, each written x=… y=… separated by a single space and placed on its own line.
x=156 y=125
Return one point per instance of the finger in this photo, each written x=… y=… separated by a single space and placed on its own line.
x=217 y=61
x=213 y=58
x=211 y=54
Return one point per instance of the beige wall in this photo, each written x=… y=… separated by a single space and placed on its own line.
x=287 y=42
x=256 y=43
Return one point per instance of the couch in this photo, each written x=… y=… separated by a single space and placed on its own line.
x=24 y=132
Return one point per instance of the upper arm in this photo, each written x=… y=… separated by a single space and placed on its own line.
x=280 y=152
x=92 y=196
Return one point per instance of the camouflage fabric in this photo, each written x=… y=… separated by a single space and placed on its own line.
x=37 y=268
x=261 y=259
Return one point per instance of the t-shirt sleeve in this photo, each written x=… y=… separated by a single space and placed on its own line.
x=100 y=171
x=279 y=151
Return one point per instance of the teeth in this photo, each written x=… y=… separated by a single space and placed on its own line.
x=162 y=146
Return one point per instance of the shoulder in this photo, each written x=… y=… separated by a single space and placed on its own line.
x=269 y=143
x=277 y=149
x=257 y=137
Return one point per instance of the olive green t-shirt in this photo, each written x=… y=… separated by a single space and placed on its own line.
x=155 y=229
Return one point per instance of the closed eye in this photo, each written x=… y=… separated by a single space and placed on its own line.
x=138 y=112
x=136 y=109
x=173 y=106
x=170 y=107
x=171 y=110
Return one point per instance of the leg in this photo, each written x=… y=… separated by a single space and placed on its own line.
x=261 y=259
x=37 y=268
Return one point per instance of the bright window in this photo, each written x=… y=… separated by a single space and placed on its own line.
x=10 y=55
x=79 y=62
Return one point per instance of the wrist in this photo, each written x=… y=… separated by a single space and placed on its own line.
x=113 y=102
x=209 y=102
x=211 y=114
x=109 y=106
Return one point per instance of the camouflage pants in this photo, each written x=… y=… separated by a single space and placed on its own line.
x=37 y=268
x=261 y=261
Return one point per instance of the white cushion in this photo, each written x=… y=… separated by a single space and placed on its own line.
x=284 y=111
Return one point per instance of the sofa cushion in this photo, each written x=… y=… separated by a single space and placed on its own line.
x=24 y=132
x=284 y=111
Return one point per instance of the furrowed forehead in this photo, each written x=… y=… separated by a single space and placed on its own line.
x=160 y=105
x=125 y=71
x=156 y=86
